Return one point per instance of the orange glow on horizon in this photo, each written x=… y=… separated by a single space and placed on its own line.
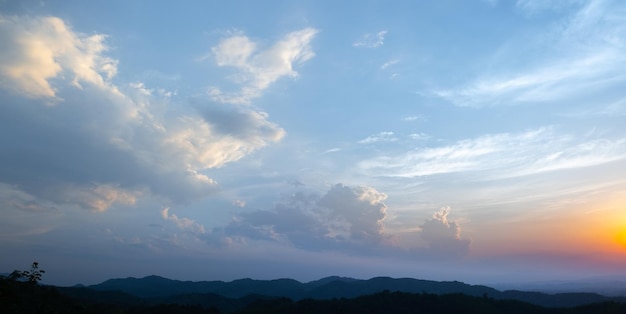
x=597 y=228
x=621 y=238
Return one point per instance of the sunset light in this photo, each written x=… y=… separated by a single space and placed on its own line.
x=481 y=141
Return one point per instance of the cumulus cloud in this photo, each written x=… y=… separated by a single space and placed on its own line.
x=343 y=217
x=183 y=223
x=443 y=236
x=258 y=69
x=371 y=40
x=361 y=207
x=102 y=144
x=346 y=218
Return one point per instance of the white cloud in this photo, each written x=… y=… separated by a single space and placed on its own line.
x=565 y=79
x=502 y=155
x=389 y=63
x=385 y=136
x=183 y=223
x=257 y=70
x=102 y=144
x=413 y=118
x=35 y=50
x=419 y=136
x=332 y=150
x=371 y=40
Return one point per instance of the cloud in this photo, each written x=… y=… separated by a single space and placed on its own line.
x=385 y=136
x=562 y=80
x=347 y=219
x=532 y=7
x=371 y=40
x=183 y=223
x=35 y=50
x=502 y=155
x=419 y=136
x=102 y=144
x=389 y=63
x=584 y=53
x=251 y=127
x=443 y=236
x=361 y=207
x=414 y=118
x=257 y=70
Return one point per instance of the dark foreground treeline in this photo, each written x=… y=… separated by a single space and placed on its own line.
x=25 y=297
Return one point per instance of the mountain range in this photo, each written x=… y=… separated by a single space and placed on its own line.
x=198 y=292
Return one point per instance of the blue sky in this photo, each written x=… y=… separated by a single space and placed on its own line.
x=481 y=141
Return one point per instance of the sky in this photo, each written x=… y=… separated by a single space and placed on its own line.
x=479 y=141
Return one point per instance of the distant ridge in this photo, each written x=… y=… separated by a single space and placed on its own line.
x=333 y=288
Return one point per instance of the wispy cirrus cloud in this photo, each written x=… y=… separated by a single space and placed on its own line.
x=584 y=54
x=564 y=79
x=385 y=136
x=371 y=40
x=532 y=7
x=389 y=63
x=258 y=69
x=502 y=155
x=414 y=118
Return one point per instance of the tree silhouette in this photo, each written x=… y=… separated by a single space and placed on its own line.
x=33 y=275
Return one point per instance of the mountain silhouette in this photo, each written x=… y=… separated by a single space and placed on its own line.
x=332 y=288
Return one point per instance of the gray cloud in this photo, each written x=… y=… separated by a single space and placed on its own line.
x=245 y=124
x=349 y=219
x=443 y=236
x=343 y=217
x=361 y=207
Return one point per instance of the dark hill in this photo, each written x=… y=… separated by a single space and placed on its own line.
x=334 y=287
